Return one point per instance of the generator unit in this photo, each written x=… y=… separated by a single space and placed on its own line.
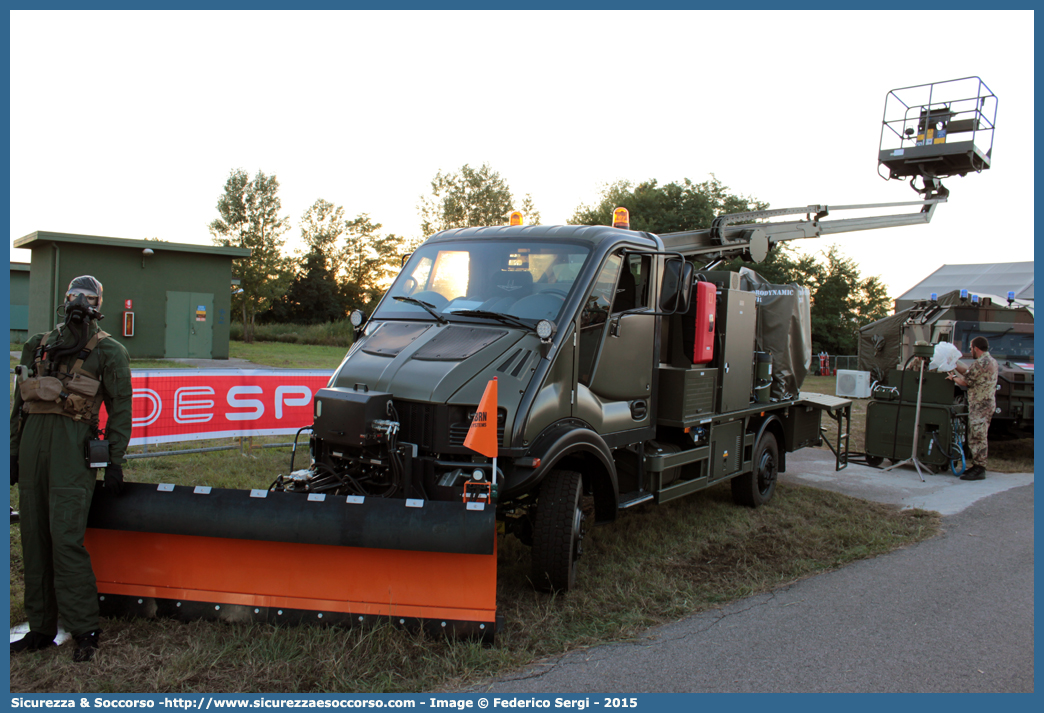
x=891 y=417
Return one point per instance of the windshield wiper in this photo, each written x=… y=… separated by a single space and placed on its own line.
x=429 y=308
x=499 y=316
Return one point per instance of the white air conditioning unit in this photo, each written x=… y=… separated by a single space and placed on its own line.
x=853 y=384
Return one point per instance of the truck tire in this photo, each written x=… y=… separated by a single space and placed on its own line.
x=757 y=487
x=558 y=531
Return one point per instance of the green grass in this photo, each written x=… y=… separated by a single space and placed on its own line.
x=17 y=580
x=295 y=356
x=339 y=334
x=654 y=565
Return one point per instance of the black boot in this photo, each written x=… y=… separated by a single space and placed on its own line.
x=86 y=646
x=976 y=472
x=33 y=641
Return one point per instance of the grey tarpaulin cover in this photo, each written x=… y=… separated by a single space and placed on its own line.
x=784 y=330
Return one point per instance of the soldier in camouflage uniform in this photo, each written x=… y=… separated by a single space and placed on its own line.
x=67 y=375
x=981 y=380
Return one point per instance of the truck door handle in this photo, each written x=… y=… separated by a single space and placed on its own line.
x=639 y=410
x=614 y=327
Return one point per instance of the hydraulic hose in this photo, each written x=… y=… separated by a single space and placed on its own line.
x=293 y=452
x=80 y=333
x=953 y=463
x=953 y=459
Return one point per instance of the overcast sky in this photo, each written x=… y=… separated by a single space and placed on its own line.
x=127 y=124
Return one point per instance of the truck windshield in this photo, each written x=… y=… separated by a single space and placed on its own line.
x=527 y=279
x=1007 y=341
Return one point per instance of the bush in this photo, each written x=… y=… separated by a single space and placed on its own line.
x=334 y=334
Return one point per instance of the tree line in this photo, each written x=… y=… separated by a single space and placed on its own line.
x=347 y=262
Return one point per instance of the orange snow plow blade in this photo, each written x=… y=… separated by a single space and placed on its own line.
x=227 y=555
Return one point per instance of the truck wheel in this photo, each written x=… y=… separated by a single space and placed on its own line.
x=874 y=461
x=756 y=488
x=558 y=531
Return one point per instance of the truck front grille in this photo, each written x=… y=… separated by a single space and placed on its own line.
x=435 y=426
x=459 y=431
x=416 y=422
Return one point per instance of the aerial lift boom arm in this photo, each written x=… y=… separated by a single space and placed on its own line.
x=728 y=238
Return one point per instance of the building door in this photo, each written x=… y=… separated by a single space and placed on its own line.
x=190 y=325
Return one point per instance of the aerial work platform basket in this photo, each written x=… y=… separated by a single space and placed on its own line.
x=937 y=130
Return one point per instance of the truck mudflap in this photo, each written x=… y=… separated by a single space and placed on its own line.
x=286 y=557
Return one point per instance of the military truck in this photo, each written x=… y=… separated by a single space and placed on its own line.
x=958 y=317
x=624 y=375
x=629 y=369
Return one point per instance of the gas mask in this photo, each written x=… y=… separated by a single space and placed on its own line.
x=79 y=308
x=82 y=301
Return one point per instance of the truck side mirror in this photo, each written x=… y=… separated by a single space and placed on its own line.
x=677 y=285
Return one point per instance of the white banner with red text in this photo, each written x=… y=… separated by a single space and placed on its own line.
x=189 y=405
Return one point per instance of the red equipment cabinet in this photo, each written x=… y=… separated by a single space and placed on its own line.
x=703 y=348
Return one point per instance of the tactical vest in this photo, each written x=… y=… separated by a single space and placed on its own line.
x=72 y=392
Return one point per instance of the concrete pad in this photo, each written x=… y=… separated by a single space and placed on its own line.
x=945 y=493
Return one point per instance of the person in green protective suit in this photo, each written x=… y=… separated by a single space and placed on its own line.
x=65 y=376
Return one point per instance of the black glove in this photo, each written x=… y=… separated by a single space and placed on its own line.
x=114 y=479
x=14 y=470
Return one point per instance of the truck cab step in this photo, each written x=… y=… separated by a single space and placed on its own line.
x=637 y=497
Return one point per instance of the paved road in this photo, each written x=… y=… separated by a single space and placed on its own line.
x=953 y=613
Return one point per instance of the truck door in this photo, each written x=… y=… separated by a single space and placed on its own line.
x=616 y=350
